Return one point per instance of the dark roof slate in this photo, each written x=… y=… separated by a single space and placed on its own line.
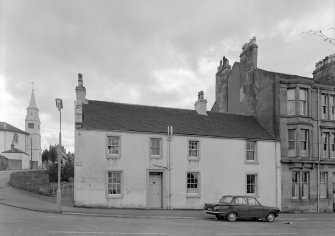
x=4 y=126
x=100 y=115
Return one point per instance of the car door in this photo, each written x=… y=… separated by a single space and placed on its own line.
x=241 y=206
x=255 y=209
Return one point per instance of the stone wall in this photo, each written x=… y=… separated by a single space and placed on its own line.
x=31 y=180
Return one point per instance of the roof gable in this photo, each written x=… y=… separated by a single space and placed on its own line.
x=10 y=128
x=99 y=115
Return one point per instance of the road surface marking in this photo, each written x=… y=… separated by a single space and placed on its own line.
x=99 y=232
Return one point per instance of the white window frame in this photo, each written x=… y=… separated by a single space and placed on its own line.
x=295 y=192
x=303 y=101
x=193 y=193
x=325 y=144
x=189 y=149
x=292 y=152
x=332 y=106
x=305 y=184
x=114 y=195
x=324 y=106
x=109 y=146
x=251 y=151
x=291 y=101
x=160 y=147
x=255 y=193
x=323 y=184
x=304 y=141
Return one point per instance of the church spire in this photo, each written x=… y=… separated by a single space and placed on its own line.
x=32 y=103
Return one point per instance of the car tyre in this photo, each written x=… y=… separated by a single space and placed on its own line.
x=231 y=217
x=270 y=217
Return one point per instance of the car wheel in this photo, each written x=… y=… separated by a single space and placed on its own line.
x=232 y=216
x=270 y=217
x=219 y=217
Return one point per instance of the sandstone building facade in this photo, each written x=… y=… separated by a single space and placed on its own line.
x=299 y=111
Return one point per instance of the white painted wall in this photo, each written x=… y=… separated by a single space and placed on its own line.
x=6 y=138
x=222 y=170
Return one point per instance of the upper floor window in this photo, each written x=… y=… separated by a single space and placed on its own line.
x=16 y=138
x=155 y=147
x=251 y=184
x=251 y=151
x=332 y=107
x=291 y=142
x=193 y=183
x=325 y=144
x=324 y=106
x=291 y=101
x=303 y=142
x=30 y=125
x=113 y=145
x=303 y=101
x=193 y=149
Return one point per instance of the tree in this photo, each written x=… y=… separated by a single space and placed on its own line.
x=45 y=155
x=53 y=154
x=321 y=34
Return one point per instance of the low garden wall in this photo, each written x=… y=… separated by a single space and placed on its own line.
x=31 y=180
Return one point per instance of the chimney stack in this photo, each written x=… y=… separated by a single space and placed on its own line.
x=201 y=104
x=80 y=100
x=248 y=57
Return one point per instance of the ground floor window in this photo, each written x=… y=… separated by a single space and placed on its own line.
x=114 y=182
x=251 y=184
x=323 y=184
x=300 y=184
x=193 y=183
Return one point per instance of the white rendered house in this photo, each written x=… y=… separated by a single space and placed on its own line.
x=134 y=156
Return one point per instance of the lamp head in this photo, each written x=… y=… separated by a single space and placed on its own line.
x=59 y=104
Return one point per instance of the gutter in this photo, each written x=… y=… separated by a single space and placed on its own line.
x=319 y=153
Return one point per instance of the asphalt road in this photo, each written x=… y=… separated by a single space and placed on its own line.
x=14 y=221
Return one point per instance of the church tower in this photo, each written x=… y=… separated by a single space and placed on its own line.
x=33 y=127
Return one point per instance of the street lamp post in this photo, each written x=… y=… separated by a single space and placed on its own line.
x=59 y=105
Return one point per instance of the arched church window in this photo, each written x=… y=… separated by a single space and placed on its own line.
x=16 y=138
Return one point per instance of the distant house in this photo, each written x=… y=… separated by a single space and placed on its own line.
x=14 y=140
x=134 y=156
x=298 y=110
x=12 y=147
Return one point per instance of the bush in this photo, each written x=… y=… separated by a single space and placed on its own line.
x=67 y=172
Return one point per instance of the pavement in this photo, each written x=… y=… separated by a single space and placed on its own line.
x=18 y=198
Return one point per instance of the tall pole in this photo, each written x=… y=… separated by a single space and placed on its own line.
x=31 y=153
x=59 y=193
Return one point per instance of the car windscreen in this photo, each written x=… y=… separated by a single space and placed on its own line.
x=226 y=199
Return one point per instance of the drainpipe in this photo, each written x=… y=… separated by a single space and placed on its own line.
x=169 y=139
x=319 y=153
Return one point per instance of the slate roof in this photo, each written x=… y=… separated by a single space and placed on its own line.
x=100 y=115
x=7 y=127
x=15 y=150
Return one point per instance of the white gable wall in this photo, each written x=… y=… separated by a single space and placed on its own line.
x=6 y=138
x=221 y=165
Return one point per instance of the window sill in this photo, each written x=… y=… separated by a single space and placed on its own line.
x=251 y=162
x=113 y=156
x=156 y=157
x=114 y=196
x=193 y=158
x=192 y=195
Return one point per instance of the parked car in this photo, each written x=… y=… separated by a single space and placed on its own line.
x=234 y=207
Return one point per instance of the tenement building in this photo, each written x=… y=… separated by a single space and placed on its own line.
x=299 y=111
x=136 y=156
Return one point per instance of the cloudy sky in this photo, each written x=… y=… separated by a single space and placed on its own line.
x=144 y=52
